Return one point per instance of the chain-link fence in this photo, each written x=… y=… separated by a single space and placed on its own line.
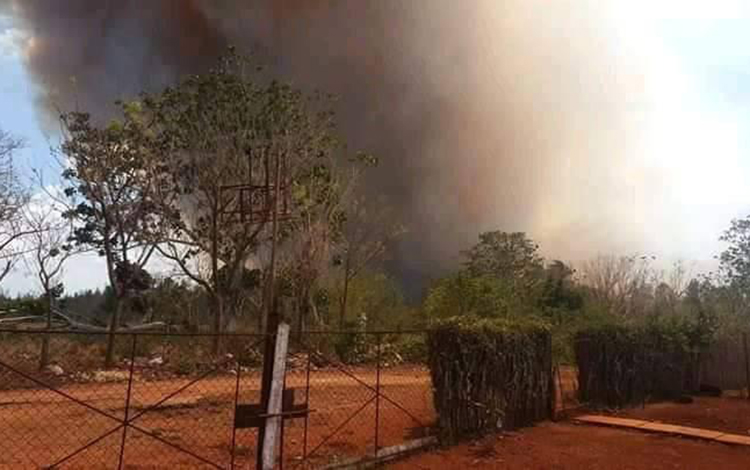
x=171 y=401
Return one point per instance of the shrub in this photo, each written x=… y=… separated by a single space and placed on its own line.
x=490 y=375
x=351 y=348
x=621 y=365
x=412 y=348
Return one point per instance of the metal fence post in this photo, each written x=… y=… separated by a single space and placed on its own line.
x=127 y=402
x=377 y=394
x=236 y=402
x=307 y=402
x=747 y=364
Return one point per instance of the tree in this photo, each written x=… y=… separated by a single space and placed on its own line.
x=511 y=257
x=734 y=261
x=307 y=244
x=13 y=199
x=179 y=304
x=467 y=293
x=502 y=275
x=218 y=132
x=48 y=251
x=111 y=177
x=369 y=227
x=559 y=290
x=623 y=285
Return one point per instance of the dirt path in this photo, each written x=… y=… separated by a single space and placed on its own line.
x=564 y=446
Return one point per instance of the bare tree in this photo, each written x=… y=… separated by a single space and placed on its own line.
x=13 y=199
x=621 y=283
x=370 y=226
x=48 y=250
x=315 y=232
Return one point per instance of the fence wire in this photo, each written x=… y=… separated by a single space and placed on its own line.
x=169 y=400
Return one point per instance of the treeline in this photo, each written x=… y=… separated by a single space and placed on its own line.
x=504 y=277
x=206 y=174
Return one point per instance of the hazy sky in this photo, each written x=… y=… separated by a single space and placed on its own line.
x=687 y=156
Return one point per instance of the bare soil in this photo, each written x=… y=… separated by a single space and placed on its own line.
x=566 y=446
x=731 y=415
x=39 y=427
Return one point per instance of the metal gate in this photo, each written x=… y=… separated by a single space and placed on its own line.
x=169 y=403
x=136 y=414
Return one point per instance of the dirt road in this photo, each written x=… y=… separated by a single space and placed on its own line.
x=562 y=446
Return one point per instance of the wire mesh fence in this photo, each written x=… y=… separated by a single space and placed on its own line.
x=170 y=401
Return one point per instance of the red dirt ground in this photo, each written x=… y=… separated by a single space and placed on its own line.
x=565 y=446
x=38 y=427
x=730 y=415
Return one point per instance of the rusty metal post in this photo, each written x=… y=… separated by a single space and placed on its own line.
x=747 y=364
x=307 y=403
x=377 y=396
x=234 y=412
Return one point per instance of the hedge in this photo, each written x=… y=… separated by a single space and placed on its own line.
x=489 y=375
x=622 y=365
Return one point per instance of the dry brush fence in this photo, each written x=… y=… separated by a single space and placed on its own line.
x=620 y=365
x=490 y=375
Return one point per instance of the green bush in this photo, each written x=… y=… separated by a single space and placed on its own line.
x=412 y=348
x=351 y=347
x=626 y=364
x=490 y=375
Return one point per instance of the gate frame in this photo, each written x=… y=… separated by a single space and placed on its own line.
x=127 y=421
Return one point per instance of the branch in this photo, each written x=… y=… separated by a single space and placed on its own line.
x=174 y=256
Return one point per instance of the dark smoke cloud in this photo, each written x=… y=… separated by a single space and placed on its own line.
x=486 y=114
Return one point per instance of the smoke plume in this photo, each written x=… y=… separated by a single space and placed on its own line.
x=486 y=114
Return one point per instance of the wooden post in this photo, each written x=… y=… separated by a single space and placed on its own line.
x=273 y=411
x=271 y=313
x=747 y=365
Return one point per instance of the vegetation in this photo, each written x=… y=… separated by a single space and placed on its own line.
x=160 y=183
x=621 y=365
x=13 y=198
x=111 y=179
x=490 y=375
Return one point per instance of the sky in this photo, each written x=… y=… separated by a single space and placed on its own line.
x=18 y=116
x=691 y=59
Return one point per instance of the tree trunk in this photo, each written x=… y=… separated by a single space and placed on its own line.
x=113 y=325
x=218 y=322
x=44 y=356
x=302 y=309
x=345 y=295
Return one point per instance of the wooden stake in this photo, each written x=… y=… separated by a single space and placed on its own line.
x=273 y=422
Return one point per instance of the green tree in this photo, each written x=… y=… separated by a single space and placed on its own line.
x=223 y=129
x=467 y=293
x=511 y=257
x=559 y=292
x=734 y=261
x=110 y=180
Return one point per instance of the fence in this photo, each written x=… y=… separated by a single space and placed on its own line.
x=726 y=364
x=170 y=403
